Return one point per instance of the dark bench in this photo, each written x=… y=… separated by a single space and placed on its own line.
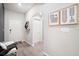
x=9 y=47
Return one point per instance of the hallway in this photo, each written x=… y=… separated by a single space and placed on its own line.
x=55 y=24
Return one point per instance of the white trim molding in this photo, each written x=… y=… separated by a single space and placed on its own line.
x=45 y=53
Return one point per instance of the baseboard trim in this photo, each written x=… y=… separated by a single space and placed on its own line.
x=29 y=43
x=45 y=53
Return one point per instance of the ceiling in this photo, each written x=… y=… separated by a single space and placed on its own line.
x=19 y=7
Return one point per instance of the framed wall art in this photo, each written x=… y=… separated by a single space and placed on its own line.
x=69 y=15
x=54 y=18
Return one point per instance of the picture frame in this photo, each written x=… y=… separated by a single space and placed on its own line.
x=69 y=15
x=54 y=18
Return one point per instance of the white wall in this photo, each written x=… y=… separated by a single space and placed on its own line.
x=15 y=18
x=57 y=41
x=6 y=26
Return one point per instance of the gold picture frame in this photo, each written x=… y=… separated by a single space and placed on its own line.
x=69 y=15
x=54 y=18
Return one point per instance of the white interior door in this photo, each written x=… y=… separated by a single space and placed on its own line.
x=15 y=30
x=37 y=31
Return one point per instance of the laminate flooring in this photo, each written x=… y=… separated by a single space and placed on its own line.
x=24 y=49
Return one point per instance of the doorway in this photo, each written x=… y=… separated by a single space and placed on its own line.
x=15 y=31
x=37 y=32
